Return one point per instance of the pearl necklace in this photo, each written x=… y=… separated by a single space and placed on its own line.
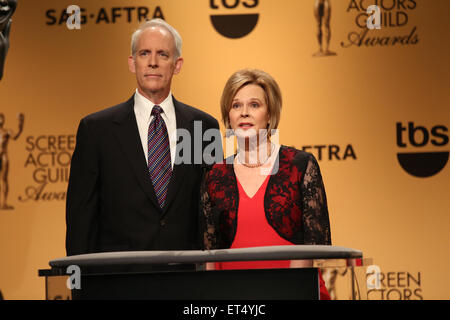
x=258 y=164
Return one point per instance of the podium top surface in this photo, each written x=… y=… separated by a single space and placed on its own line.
x=288 y=252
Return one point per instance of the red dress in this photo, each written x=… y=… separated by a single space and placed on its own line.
x=253 y=230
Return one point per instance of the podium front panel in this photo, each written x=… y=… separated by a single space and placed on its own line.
x=260 y=284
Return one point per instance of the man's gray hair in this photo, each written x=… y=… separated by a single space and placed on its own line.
x=157 y=23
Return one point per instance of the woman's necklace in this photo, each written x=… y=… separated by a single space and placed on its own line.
x=258 y=164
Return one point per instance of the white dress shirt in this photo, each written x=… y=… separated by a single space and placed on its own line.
x=143 y=110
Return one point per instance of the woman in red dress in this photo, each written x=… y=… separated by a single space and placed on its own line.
x=266 y=194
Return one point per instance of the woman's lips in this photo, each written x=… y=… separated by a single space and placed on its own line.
x=245 y=125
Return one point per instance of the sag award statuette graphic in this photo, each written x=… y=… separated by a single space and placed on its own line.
x=5 y=135
x=7 y=8
x=322 y=13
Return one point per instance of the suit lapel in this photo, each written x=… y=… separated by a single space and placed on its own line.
x=179 y=170
x=127 y=133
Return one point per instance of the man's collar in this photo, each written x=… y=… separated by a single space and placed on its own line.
x=144 y=106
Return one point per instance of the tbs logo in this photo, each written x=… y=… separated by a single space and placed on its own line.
x=234 y=25
x=422 y=164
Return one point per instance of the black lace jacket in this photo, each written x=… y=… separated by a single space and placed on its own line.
x=295 y=202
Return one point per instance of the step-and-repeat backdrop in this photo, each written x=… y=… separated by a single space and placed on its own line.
x=371 y=104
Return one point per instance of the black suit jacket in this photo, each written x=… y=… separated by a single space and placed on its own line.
x=111 y=204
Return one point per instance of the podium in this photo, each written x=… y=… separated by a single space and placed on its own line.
x=182 y=275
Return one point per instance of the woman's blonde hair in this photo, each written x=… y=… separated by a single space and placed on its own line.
x=243 y=78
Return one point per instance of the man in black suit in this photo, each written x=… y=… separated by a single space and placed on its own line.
x=115 y=201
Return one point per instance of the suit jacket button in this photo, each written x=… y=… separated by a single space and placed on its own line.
x=162 y=223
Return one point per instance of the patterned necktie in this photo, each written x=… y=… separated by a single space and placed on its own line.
x=159 y=165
